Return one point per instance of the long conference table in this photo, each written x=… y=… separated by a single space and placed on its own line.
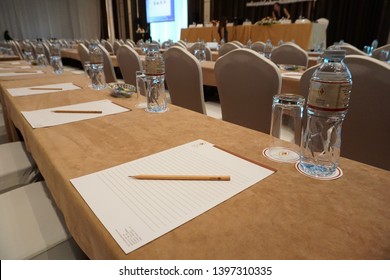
x=285 y=216
x=307 y=36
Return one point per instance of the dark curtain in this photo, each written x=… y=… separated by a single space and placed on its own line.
x=357 y=22
x=115 y=17
x=103 y=20
x=195 y=11
x=237 y=10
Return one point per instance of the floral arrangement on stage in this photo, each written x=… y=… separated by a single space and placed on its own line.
x=267 y=21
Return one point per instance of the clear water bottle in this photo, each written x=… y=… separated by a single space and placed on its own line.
x=28 y=55
x=268 y=49
x=55 y=58
x=97 y=67
x=327 y=106
x=41 y=58
x=155 y=76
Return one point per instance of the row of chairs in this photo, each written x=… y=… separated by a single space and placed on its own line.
x=113 y=48
x=352 y=50
x=288 y=53
x=247 y=81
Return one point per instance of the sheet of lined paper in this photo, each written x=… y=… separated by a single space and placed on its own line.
x=42 y=89
x=47 y=117
x=137 y=211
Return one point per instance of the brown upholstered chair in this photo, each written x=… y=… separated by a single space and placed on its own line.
x=184 y=79
x=129 y=63
x=246 y=84
x=290 y=53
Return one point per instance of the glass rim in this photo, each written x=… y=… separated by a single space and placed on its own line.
x=289 y=98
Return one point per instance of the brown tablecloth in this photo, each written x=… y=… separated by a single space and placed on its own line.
x=286 y=216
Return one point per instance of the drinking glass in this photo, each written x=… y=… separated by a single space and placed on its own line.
x=97 y=76
x=141 y=89
x=286 y=127
x=156 y=101
x=200 y=54
x=56 y=64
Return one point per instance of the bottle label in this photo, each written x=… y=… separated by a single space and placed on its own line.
x=329 y=96
x=154 y=66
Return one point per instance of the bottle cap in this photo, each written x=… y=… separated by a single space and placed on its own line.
x=334 y=54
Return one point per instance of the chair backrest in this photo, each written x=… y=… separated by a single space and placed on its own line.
x=129 y=62
x=351 y=49
x=19 y=47
x=183 y=74
x=30 y=222
x=366 y=129
x=33 y=50
x=131 y=43
x=238 y=43
x=305 y=80
x=108 y=46
x=83 y=53
x=324 y=22
x=258 y=46
x=246 y=83
x=116 y=46
x=46 y=49
x=290 y=53
x=179 y=44
x=16 y=49
x=17 y=167
x=109 y=72
x=227 y=47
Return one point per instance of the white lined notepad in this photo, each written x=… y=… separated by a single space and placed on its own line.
x=46 y=117
x=136 y=212
x=42 y=89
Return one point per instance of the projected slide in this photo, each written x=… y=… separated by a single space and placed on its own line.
x=160 y=10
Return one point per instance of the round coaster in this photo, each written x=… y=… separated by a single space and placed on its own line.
x=281 y=154
x=337 y=174
x=156 y=112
